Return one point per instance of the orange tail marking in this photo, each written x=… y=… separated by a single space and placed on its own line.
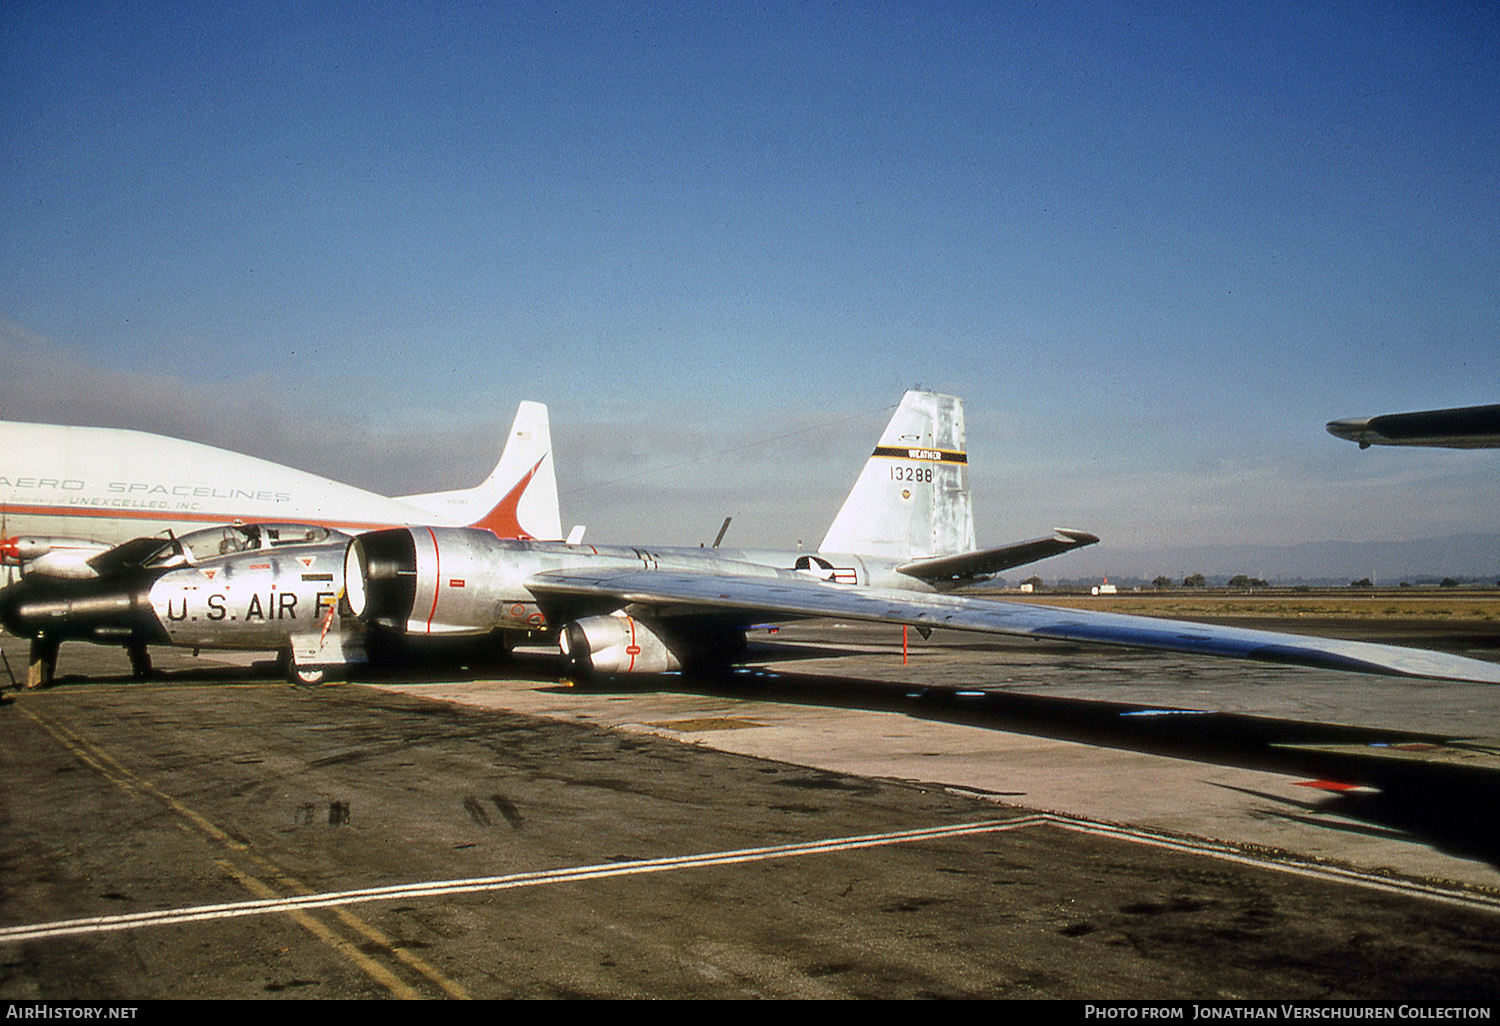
x=502 y=520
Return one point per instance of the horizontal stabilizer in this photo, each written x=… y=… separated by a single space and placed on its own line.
x=969 y=565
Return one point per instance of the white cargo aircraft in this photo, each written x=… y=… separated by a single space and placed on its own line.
x=67 y=494
x=903 y=538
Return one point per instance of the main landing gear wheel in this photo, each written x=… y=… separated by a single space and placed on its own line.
x=295 y=674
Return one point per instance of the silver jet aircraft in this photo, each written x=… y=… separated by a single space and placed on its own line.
x=268 y=587
x=903 y=541
x=277 y=587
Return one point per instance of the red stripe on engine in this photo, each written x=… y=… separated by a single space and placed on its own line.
x=437 y=578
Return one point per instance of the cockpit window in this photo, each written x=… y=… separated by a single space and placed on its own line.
x=206 y=544
x=168 y=553
x=224 y=541
x=213 y=542
x=297 y=534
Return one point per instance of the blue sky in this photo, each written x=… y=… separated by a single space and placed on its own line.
x=1155 y=247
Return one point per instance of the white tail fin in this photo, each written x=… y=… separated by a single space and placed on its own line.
x=519 y=498
x=912 y=499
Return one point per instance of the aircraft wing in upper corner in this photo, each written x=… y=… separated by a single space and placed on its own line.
x=673 y=600
x=1468 y=427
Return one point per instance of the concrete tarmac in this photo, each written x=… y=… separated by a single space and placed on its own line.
x=986 y=820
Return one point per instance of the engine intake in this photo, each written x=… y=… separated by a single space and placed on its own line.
x=436 y=581
x=380 y=577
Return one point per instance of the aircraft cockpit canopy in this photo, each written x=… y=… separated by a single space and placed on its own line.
x=233 y=538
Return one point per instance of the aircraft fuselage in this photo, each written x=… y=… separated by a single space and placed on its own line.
x=446 y=581
x=112 y=485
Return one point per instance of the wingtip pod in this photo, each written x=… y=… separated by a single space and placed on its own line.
x=1077 y=537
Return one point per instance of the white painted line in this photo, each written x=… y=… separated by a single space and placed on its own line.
x=266 y=906
x=1484 y=901
x=1476 y=900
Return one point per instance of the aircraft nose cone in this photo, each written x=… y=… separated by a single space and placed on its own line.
x=88 y=609
x=13 y=616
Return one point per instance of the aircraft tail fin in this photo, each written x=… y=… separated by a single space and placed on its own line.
x=911 y=501
x=519 y=498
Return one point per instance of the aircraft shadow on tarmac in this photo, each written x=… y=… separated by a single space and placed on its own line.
x=1447 y=805
x=1441 y=801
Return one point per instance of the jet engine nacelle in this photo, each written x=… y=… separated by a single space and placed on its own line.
x=435 y=581
x=621 y=643
x=616 y=643
x=452 y=581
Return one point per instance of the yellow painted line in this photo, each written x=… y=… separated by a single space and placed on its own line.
x=126 y=779
x=131 y=782
x=379 y=973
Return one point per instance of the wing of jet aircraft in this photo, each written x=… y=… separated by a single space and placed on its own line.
x=902 y=542
x=1468 y=427
x=674 y=604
